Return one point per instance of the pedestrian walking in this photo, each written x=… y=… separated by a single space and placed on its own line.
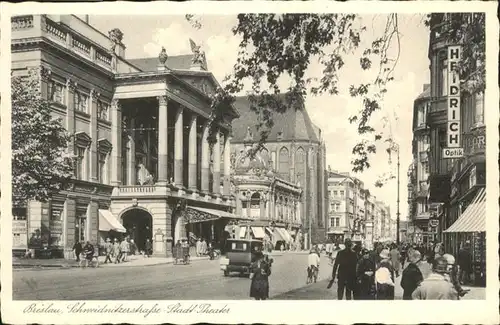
x=261 y=270
x=148 y=248
x=198 y=247
x=124 y=249
x=412 y=276
x=108 y=250
x=133 y=247
x=465 y=263
x=78 y=249
x=117 y=251
x=88 y=252
x=345 y=263
x=96 y=256
x=453 y=274
x=365 y=271
x=384 y=277
x=436 y=286
x=395 y=259
x=204 y=247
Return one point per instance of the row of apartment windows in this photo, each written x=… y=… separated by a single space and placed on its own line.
x=336 y=193
x=334 y=222
x=80 y=100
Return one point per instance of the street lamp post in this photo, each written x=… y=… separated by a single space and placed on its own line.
x=397 y=213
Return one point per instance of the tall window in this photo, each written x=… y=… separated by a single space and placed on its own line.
x=335 y=193
x=300 y=159
x=80 y=225
x=81 y=102
x=80 y=163
x=479 y=116
x=55 y=92
x=334 y=222
x=102 y=111
x=284 y=168
x=341 y=194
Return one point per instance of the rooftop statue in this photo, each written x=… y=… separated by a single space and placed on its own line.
x=115 y=36
x=163 y=56
x=198 y=54
x=249 y=135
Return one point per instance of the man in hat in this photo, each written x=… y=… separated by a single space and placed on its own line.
x=465 y=263
x=412 y=276
x=108 y=249
x=436 y=286
x=345 y=263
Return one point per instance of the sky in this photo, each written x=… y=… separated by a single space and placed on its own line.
x=145 y=35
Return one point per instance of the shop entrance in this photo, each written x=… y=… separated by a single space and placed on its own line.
x=139 y=225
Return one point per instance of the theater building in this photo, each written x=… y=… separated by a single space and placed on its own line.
x=296 y=151
x=144 y=167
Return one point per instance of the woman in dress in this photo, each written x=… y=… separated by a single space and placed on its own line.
x=261 y=270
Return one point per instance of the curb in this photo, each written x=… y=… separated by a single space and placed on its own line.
x=23 y=267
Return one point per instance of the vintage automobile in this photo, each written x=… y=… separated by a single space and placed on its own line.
x=239 y=255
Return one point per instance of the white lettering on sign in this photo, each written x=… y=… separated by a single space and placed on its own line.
x=453 y=127
x=451 y=153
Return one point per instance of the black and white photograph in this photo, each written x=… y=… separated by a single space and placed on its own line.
x=171 y=157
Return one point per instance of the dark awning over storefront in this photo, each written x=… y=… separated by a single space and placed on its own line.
x=196 y=215
x=474 y=217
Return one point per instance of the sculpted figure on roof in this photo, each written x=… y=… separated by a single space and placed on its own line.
x=198 y=54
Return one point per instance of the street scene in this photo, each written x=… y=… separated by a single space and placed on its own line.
x=259 y=156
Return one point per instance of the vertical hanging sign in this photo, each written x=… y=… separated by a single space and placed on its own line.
x=453 y=133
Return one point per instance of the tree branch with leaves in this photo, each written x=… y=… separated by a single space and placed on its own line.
x=41 y=165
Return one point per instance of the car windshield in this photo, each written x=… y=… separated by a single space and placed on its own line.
x=239 y=247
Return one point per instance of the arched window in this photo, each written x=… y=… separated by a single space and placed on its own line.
x=300 y=164
x=284 y=166
x=255 y=205
x=265 y=157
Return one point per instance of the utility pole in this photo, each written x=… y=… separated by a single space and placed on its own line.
x=397 y=213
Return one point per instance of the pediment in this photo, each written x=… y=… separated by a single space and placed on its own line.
x=104 y=145
x=83 y=138
x=203 y=83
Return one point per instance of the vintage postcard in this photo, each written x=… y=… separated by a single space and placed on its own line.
x=183 y=162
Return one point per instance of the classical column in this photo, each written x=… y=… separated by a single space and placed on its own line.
x=299 y=207
x=266 y=207
x=262 y=206
x=116 y=142
x=192 y=158
x=216 y=178
x=249 y=205
x=70 y=113
x=162 y=139
x=227 y=165
x=205 y=159
x=131 y=154
x=94 y=97
x=178 y=147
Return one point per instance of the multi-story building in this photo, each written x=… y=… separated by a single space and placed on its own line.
x=272 y=204
x=144 y=167
x=418 y=171
x=355 y=213
x=296 y=152
x=457 y=185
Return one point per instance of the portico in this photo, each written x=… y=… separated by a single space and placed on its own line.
x=161 y=159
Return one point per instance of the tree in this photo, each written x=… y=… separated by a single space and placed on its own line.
x=40 y=163
x=284 y=45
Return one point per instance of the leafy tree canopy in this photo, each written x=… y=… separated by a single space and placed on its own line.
x=40 y=163
x=284 y=45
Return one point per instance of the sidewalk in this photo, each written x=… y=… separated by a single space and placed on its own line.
x=318 y=291
x=135 y=260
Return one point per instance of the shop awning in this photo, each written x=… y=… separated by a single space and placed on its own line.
x=286 y=234
x=474 y=217
x=258 y=232
x=280 y=234
x=195 y=215
x=108 y=222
